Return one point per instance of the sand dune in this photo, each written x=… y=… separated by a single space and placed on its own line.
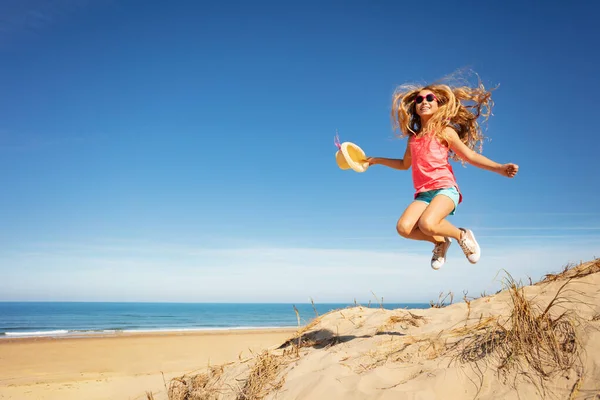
x=539 y=341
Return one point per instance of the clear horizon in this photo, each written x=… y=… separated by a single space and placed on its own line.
x=184 y=152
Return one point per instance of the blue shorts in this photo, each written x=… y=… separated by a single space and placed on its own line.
x=449 y=192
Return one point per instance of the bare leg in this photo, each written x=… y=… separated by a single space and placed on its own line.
x=408 y=226
x=433 y=222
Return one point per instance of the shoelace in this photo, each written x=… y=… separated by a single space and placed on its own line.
x=438 y=249
x=466 y=245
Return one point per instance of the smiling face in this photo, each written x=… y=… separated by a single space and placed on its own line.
x=426 y=104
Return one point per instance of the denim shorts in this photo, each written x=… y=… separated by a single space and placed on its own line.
x=449 y=192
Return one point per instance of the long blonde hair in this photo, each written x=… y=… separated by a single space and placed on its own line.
x=459 y=106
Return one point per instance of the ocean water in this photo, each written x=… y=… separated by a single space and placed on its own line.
x=30 y=319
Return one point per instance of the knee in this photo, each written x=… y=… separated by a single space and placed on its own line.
x=404 y=229
x=427 y=226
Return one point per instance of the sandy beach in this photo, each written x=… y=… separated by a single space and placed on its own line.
x=118 y=367
x=535 y=341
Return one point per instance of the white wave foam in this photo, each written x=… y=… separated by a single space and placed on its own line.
x=63 y=332
x=40 y=333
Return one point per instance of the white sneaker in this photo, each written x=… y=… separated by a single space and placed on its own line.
x=469 y=246
x=439 y=253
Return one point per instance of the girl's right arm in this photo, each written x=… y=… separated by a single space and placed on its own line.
x=509 y=170
x=395 y=163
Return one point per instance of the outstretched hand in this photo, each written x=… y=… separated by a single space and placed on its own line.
x=509 y=170
x=372 y=160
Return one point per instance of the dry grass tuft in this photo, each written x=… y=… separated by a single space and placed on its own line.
x=531 y=339
x=408 y=319
x=411 y=319
x=443 y=300
x=482 y=325
x=573 y=271
x=432 y=348
x=262 y=379
x=203 y=386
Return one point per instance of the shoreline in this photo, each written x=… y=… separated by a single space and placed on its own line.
x=145 y=332
x=120 y=366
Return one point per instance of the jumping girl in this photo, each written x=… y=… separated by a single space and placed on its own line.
x=441 y=123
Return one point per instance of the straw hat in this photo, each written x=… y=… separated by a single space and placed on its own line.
x=351 y=156
x=341 y=160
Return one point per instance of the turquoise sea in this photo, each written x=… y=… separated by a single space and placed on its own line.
x=30 y=319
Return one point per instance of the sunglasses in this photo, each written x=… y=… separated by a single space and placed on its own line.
x=430 y=97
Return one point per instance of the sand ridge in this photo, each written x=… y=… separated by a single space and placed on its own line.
x=537 y=341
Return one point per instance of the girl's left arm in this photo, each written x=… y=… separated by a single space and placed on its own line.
x=455 y=144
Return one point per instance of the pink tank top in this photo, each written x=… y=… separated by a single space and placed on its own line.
x=431 y=169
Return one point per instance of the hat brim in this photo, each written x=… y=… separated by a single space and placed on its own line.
x=341 y=160
x=355 y=157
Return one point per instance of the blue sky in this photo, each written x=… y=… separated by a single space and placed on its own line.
x=183 y=151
